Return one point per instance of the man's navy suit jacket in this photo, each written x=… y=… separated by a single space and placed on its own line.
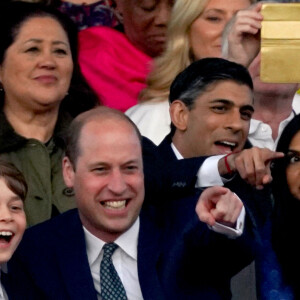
x=165 y=176
x=257 y=202
x=179 y=257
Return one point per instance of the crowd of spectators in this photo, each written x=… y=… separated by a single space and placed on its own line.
x=106 y=103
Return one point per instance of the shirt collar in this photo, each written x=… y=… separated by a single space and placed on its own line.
x=254 y=125
x=127 y=242
x=176 y=152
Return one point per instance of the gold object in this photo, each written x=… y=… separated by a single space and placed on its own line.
x=280 y=43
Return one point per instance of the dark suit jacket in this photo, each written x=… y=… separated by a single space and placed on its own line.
x=258 y=203
x=165 y=176
x=178 y=256
x=19 y=289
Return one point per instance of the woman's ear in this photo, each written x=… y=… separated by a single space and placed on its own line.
x=179 y=114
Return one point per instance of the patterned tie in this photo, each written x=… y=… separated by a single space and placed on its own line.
x=111 y=285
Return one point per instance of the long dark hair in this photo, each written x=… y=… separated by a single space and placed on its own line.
x=12 y=15
x=286 y=209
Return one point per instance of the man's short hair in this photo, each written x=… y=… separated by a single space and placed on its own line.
x=191 y=82
x=194 y=80
x=13 y=178
x=73 y=135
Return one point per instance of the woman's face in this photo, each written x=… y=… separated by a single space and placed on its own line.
x=293 y=169
x=37 y=67
x=206 y=31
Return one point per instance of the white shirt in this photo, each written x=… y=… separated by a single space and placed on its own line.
x=124 y=259
x=208 y=175
x=296 y=103
x=260 y=133
x=3 y=295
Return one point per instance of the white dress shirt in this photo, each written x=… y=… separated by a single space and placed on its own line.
x=3 y=295
x=208 y=175
x=296 y=102
x=124 y=259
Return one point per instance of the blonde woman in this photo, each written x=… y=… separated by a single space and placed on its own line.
x=194 y=32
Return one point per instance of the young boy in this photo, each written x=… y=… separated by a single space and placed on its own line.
x=12 y=220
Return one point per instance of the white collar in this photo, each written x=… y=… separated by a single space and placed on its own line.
x=176 y=152
x=127 y=242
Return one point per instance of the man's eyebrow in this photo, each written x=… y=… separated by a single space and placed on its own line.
x=224 y=101
x=231 y=103
x=131 y=161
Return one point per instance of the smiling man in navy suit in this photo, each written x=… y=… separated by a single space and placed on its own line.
x=211 y=105
x=165 y=252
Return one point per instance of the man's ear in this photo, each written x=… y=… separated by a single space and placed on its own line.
x=179 y=114
x=68 y=172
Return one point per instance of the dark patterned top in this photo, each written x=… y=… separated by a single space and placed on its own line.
x=101 y=13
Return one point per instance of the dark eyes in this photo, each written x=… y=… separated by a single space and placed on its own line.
x=32 y=49
x=246 y=115
x=17 y=207
x=219 y=109
x=213 y=19
x=58 y=51
x=131 y=168
x=294 y=159
x=61 y=51
x=149 y=8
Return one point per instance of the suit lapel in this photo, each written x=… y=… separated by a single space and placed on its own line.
x=165 y=149
x=149 y=249
x=73 y=260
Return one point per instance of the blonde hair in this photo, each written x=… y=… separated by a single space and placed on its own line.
x=177 y=55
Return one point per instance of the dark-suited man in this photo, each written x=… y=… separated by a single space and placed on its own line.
x=211 y=105
x=164 y=252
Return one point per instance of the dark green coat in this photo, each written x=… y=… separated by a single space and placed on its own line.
x=41 y=165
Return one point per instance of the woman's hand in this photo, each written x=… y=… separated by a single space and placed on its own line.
x=241 y=37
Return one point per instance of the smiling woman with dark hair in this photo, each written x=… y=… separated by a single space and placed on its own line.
x=41 y=91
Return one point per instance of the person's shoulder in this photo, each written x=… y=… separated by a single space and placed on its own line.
x=50 y=228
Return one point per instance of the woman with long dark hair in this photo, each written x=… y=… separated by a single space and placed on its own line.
x=286 y=192
x=41 y=90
